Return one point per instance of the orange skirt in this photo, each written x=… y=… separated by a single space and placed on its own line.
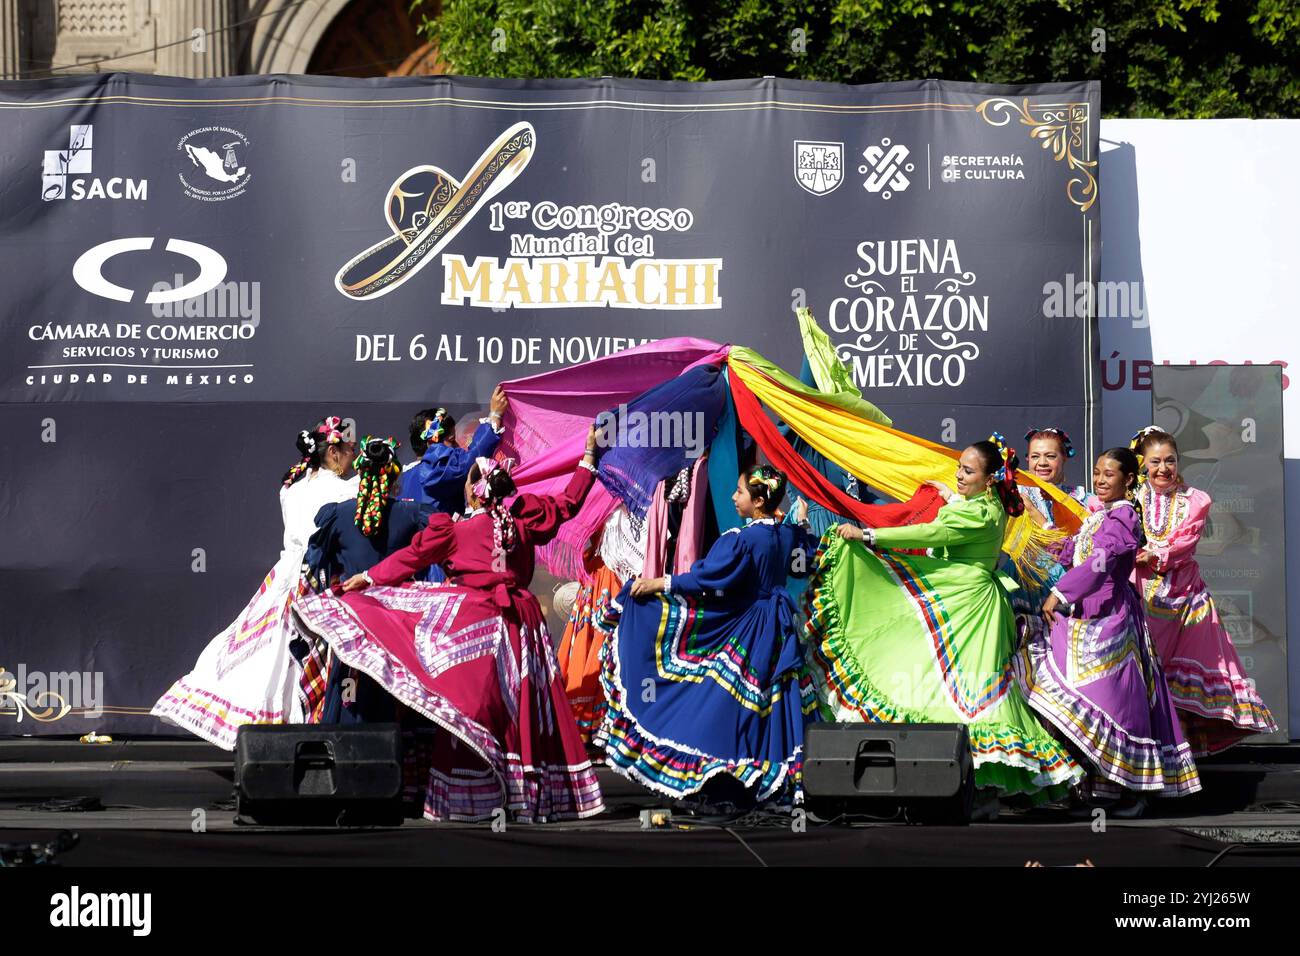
x=579 y=654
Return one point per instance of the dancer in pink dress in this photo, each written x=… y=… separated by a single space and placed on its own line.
x=473 y=655
x=1217 y=702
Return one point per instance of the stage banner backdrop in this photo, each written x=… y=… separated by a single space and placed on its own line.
x=195 y=270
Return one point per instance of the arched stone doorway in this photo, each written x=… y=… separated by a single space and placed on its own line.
x=341 y=38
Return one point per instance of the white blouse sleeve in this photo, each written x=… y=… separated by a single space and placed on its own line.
x=300 y=502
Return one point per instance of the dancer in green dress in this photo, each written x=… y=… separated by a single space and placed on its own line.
x=930 y=638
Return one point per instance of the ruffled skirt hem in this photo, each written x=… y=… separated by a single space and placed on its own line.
x=210 y=716
x=1134 y=763
x=1011 y=759
x=677 y=770
x=493 y=781
x=1218 y=709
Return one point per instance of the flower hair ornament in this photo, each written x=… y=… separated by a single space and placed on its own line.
x=1007 y=453
x=1005 y=476
x=766 y=476
x=328 y=432
x=488 y=467
x=1141 y=435
x=503 y=523
x=377 y=454
x=1058 y=433
x=433 y=431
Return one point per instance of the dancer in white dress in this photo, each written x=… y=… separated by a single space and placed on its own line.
x=246 y=674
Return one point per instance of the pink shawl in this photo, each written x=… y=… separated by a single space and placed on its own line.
x=546 y=426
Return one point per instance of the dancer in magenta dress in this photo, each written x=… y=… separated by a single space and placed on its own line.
x=1217 y=702
x=473 y=655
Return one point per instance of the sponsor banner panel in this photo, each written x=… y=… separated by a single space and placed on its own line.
x=187 y=257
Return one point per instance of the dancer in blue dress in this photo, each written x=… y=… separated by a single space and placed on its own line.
x=704 y=672
x=350 y=537
x=438 y=478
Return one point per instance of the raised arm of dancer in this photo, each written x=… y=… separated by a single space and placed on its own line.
x=488 y=434
x=446 y=466
x=805 y=539
x=539 y=516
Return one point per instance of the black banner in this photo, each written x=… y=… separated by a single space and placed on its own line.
x=198 y=269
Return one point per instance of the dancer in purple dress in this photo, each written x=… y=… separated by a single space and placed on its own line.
x=1094 y=673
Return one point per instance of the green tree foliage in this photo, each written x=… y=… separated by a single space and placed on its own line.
x=1166 y=58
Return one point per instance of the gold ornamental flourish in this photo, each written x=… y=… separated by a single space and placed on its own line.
x=48 y=700
x=1059 y=128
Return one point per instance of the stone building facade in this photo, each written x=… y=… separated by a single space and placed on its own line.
x=204 y=38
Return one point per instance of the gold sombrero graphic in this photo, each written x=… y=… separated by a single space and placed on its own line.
x=426 y=208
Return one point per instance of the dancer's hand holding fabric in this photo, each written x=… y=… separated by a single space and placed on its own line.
x=356 y=582
x=498 y=404
x=644 y=587
x=801 y=512
x=1049 y=609
x=850 y=532
x=944 y=491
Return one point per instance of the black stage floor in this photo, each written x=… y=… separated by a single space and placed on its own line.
x=149 y=798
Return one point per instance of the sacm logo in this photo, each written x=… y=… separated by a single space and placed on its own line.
x=65 y=173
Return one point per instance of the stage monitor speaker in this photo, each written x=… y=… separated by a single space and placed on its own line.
x=923 y=770
x=322 y=774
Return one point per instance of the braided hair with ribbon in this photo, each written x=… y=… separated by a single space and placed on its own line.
x=768 y=483
x=491 y=484
x=1051 y=431
x=1000 y=463
x=311 y=445
x=377 y=471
